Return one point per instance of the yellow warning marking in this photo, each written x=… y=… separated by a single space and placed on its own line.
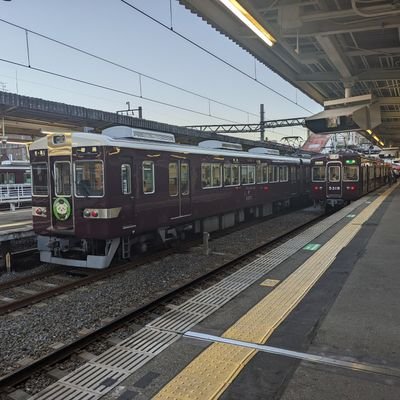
x=269 y=282
x=209 y=374
x=16 y=224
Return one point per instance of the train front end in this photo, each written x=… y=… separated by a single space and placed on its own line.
x=69 y=208
x=336 y=179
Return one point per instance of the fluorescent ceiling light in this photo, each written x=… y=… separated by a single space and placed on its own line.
x=249 y=20
x=369 y=131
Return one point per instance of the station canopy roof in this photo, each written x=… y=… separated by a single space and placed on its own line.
x=322 y=47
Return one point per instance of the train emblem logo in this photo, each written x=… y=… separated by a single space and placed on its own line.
x=61 y=209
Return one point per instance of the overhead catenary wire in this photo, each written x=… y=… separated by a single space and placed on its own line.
x=209 y=52
x=118 y=65
x=113 y=89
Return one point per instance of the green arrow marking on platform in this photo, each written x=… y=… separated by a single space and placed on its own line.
x=312 y=246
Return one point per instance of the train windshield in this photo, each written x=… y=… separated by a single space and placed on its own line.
x=89 y=179
x=350 y=173
x=318 y=174
x=62 y=178
x=39 y=179
x=334 y=174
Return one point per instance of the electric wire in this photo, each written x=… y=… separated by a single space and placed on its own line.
x=112 y=89
x=118 y=65
x=209 y=52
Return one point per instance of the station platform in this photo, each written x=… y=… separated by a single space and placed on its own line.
x=317 y=317
x=16 y=224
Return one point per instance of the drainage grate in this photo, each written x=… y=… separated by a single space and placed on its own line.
x=63 y=392
x=234 y=286
x=123 y=358
x=149 y=341
x=198 y=308
x=95 y=378
x=210 y=298
x=176 y=321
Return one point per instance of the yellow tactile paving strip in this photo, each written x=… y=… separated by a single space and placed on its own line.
x=208 y=375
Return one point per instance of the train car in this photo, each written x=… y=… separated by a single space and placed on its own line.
x=15 y=183
x=340 y=178
x=98 y=195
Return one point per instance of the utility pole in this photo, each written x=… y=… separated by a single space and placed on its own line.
x=262 y=121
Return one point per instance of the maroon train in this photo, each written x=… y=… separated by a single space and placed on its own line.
x=340 y=178
x=94 y=195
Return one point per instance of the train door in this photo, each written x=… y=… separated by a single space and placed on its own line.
x=179 y=188
x=128 y=190
x=334 y=179
x=364 y=169
x=62 y=201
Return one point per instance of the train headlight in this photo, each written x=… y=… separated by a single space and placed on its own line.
x=90 y=213
x=39 y=211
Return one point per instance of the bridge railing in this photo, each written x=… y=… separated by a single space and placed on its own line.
x=15 y=193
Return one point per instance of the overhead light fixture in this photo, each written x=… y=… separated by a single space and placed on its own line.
x=236 y=8
x=369 y=131
x=381 y=143
x=375 y=137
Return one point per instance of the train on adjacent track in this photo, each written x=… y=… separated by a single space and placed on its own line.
x=97 y=196
x=338 y=179
x=15 y=183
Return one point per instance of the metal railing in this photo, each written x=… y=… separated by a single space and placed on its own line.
x=15 y=193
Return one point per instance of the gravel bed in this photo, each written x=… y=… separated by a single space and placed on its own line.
x=30 y=334
x=6 y=277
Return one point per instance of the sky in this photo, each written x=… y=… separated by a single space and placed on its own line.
x=112 y=30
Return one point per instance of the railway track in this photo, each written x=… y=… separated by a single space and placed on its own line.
x=145 y=311
x=44 y=290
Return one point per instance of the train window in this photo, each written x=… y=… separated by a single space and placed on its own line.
x=248 y=174
x=39 y=179
x=318 y=174
x=10 y=178
x=148 y=177
x=27 y=177
x=371 y=172
x=271 y=173
x=206 y=175
x=7 y=178
x=89 y=178
x=350 y=173
x=293 y=177
x=274 y=173
x=252 y=173
x=227 y=175
x=211 y=175
x=173 y=179
x=184 y=178
x=283 y=173
x=235 y=175
x=244 y=174
x=262 y=173
x=126 y=179
x=62 y=178
x=216 y=175
x=231 y=175
x=334 y=173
